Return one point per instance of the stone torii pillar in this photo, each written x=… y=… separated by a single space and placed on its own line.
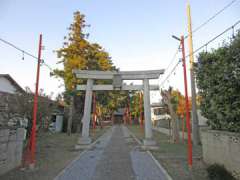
x=117 y=78
x=147 y=114
x=85 y=139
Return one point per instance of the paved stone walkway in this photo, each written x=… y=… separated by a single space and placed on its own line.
x=114 y=157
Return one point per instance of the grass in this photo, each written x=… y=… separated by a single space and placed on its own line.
x=54 y=152
x=173 y=156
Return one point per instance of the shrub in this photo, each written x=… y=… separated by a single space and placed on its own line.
x=218 y=81
x=218 y=172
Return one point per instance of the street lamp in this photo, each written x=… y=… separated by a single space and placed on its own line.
x=175 y=37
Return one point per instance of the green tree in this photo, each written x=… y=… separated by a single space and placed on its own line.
x=78 y=53
x=218 y=81
x=170 y=98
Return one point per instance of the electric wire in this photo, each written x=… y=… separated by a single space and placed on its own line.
x=198 y=49
x=200 y=27
x=172 y=71
x=173 y=58
x=214 y=38
x=212 y=17
x=25 y=52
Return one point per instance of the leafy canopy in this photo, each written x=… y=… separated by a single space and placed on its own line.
x=78 y=53
x=218 y=81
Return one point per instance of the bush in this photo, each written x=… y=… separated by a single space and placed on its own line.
x=218 y=172
x=218 y=81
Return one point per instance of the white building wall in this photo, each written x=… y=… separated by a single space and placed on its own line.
x=6 y=86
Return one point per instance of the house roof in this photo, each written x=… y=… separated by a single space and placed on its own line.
x=13 y=82
x=159 y=104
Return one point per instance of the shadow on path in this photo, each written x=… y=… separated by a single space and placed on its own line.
x=115 y=156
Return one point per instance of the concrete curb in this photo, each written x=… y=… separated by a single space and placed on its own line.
x=134 y=137
x=153 y=158
x=160 y=166
x=76 y=158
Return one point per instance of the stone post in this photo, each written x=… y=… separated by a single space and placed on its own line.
x=147 y=115
x=85 y=139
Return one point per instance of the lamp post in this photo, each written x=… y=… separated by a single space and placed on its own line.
x=186 y=101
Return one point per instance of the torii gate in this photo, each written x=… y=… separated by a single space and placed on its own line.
x=117 y=77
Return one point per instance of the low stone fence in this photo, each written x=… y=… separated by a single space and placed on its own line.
x=11 y=147
x=167 y=131
x=222 y=148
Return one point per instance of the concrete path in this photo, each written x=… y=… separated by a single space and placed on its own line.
x=115 y=156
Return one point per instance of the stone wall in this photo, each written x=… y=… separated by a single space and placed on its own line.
x=222 y=148
x=11 y=147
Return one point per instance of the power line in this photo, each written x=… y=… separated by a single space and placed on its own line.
x=168 y=76
x=197 y=29
x=214 y=38
x=25 y=52
x=212 y=17
x=173 y=58
x=201 y=47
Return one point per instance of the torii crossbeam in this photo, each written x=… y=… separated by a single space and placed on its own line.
x=117 y=77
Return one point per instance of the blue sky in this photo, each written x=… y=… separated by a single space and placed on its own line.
x=137 y=34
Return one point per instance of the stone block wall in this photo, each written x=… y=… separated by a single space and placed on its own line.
x=11 y=147
x=222 y=148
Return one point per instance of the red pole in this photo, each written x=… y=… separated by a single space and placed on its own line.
x=127 y=115
x=129 y=110
x=140 y=111
x=187 y=105
x=94 y=110
x=130 y=116
x=183 y=128
x=35 y=106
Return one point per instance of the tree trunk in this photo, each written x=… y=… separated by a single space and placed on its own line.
x=175 y=128
x=70 y=117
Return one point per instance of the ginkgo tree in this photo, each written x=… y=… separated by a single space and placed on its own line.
x=79 y=53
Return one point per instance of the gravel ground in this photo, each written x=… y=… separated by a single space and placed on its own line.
x=145 y=167
x=115 y=163
x=84 y=166
x=54 y=153
x=114 y=157
x=173 y=157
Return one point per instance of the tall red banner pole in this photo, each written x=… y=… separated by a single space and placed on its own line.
x=129 y=110
x=140 y=109
x=35 y=106
x=187 y=105
x=182 y=116
x=94 y=111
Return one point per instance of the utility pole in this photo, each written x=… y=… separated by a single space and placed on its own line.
x=35 y=106
x=195 y=124
x=186 y=101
